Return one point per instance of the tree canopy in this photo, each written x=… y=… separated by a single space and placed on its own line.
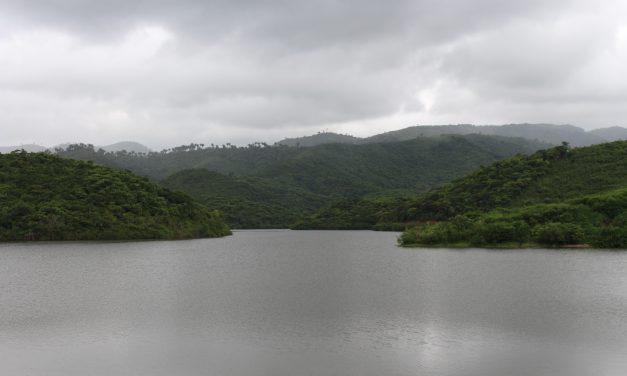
x=45 y=197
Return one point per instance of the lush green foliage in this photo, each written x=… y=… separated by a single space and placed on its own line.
x=555 y=233
x=552 y=175
x=44 y=197
x=554 y=197
x=247 y=202
x=546 y=224
x=355 y=214
x=263 y=186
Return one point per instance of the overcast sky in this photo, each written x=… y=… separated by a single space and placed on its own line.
x=167 y=72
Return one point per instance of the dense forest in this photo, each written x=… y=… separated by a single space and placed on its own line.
x=381 y=212
x=45 y=197
x=553 y=197
x=247 y=201
x=263 y=186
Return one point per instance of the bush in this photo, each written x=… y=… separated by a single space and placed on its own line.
x=555 y=234
x=458 y=229
x=433 y=233
x=611 y=237
x=610 y=204
x=562 y=213
x=501 y=232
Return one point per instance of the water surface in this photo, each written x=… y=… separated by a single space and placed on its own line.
x=309 y=303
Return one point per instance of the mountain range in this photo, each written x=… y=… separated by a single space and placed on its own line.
x=382 y=182
x=549 y=133
x=129 y=146
x=264 y=186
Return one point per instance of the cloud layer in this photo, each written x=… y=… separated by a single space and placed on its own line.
x=167 y=73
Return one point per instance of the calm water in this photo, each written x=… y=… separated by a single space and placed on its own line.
x=309 y=303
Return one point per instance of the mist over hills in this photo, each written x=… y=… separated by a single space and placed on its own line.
x=611 y=133
x=31 y=148
x=128 y=146
x=320 y=139
x=549 y=133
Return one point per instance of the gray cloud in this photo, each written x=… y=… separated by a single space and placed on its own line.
x=166 y=72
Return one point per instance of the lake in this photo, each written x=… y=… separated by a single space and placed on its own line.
x=309 y=303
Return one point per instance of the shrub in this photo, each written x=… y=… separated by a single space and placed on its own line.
x=611 y=237
x=555 y=234
x=433 y=233
x=501 y=232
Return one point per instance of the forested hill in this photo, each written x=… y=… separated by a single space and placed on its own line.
x=334 y=168
x=44 y=197
x=559 y=195
x=263 y=186
x=551 y=175
x=247 y=201
x=549 y=133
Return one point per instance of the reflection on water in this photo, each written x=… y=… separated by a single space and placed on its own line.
x=309 y=303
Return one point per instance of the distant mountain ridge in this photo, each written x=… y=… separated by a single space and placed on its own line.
x=31 y=148
x=321 y=138
x=611 y=133
x=549 y=133
x=129 y=146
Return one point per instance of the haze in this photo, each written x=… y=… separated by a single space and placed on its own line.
x=167 y=73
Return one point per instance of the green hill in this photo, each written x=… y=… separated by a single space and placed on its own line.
x=247 y=202
x=44 y=197
x=554 y=196
x=313 y=168
x=263 y=186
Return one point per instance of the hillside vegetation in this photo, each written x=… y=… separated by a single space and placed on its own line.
x=262 y=186
x=44 y=197
x=553 y=197
x=247 y=202
x=367 y=213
